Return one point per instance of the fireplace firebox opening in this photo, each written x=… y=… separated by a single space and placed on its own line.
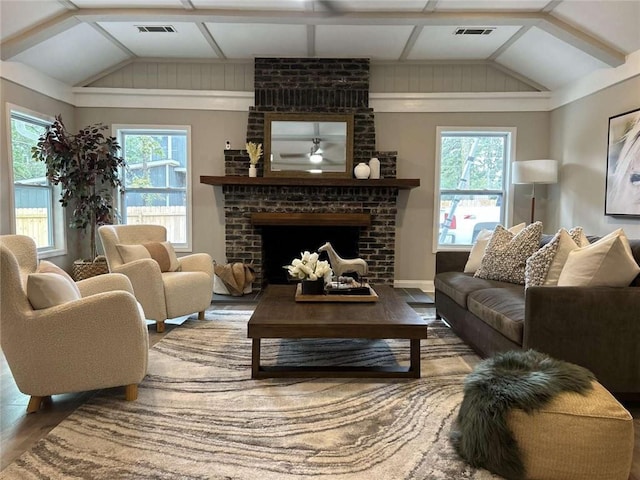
x=281 y=244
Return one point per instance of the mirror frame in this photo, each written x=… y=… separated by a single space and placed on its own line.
x=308 y=117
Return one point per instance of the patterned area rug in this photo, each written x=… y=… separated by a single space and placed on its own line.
x=200 y=416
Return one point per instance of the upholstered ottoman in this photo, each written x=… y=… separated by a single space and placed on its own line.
x=575 y=437
x=526 y=415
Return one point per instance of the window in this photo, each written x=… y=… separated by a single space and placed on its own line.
x=37 y=211
x=157 y=179
x=471 y=173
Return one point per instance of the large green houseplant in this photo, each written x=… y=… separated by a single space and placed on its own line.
x=86 y=166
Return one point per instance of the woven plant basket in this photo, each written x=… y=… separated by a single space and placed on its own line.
x=83 y=269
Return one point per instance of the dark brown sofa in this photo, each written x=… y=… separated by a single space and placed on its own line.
x=596 y=327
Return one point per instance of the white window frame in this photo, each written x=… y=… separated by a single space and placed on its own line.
x=508 y=186
x=58 y=221
x=116 y=130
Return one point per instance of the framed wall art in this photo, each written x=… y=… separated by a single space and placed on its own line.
x=623 y=165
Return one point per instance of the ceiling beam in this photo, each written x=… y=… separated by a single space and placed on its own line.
x=211 y=41
x=112 y=39
x=580 y=40
x=104 y=73
x=411 y=41
x=39 y=33
x=311 y=41
x=514 y=38
x=517 y=76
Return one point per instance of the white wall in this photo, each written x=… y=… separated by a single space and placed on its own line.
x=578 y=139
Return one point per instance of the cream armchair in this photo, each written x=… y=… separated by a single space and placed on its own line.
x=163 y=295
x=99 y=340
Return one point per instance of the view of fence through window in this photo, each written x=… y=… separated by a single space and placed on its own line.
x=33 y=194
x=156 y=180
x=472 y=166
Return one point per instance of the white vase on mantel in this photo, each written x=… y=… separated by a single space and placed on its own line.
x=361 y=171
x=374 y=166
x=253 y=171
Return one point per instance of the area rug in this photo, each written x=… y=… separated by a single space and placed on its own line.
x=200 y=416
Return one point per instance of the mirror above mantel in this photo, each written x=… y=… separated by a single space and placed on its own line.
x=308 y=145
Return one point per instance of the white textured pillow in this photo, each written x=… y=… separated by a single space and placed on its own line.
x=545 y=265
x=506 y=254
x=605 y=263
x=46 y=290
x=48 y=267
x=478 y=248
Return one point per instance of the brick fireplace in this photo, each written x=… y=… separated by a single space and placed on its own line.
x=319 y=86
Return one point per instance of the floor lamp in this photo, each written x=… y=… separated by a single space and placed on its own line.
x=534 y=172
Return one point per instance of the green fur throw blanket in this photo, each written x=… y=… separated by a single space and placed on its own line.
x=525 y=380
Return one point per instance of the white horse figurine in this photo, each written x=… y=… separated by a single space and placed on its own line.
x=340 y=266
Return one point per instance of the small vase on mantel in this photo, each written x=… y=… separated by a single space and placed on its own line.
x=374 y=166
x=253 y=171
x=362 y=171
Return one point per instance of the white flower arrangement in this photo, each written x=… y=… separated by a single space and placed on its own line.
x=254 y=151
x=307 y=267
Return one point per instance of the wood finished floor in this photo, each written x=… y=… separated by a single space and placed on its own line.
x=19 y=431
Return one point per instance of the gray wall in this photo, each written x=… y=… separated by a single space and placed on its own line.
x=413 y=135
x=579 y=140
x=209 y=132
x=25 y=98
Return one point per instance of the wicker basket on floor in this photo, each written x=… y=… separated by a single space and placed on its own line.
x=83 y=269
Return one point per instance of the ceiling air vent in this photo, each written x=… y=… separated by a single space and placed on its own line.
x=474 y=30
x=155 y=29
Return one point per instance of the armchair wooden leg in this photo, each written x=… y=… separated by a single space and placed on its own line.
x=201 y=315
x=34 y=404
x=160 y=327
x=131 y=392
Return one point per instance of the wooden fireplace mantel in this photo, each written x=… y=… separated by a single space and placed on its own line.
x=237 y=180
x=312 y=219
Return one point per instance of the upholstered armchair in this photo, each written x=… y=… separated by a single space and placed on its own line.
x=166 y=286
x=95 y=338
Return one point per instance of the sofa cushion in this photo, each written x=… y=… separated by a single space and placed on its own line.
x=45 y=290
x=506 y=254
x=545 y=265
x=162 y=252
x=500 y=308
x=609 y=262
x=458 y=285
x=480 y=245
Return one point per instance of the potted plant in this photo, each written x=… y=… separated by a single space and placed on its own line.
x=86 y=166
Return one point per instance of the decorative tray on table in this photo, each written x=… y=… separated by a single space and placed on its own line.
x=360 y=293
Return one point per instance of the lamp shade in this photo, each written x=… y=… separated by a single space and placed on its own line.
x=535 y=171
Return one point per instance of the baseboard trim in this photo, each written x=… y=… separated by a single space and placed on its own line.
x=426 y=286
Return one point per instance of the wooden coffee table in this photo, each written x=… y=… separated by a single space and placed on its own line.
x=278 y=315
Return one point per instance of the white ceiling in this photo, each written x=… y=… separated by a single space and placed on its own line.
x=551 y=43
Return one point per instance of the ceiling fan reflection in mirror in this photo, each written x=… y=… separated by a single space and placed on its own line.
x=316 y=153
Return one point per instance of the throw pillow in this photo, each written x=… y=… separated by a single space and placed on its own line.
x=506 y=254
x=47 y=267
x=161 y=252
x=608 y=262
x=46 y=290
x=480 y=245
x=545 y=265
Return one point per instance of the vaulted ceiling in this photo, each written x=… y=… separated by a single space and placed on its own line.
x=548 y=43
